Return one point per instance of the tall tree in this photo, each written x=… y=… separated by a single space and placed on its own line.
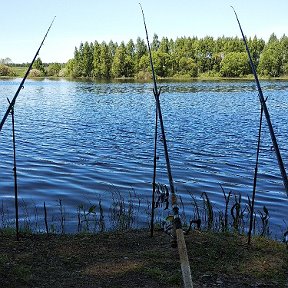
x=256 y=47
x=96 y=60
x=38 y=64
x=155 y=43
x=284 y=49
x=118 y=65
x=204 y=53
x=270 y=63
x=105 y=61
x=140 y=50
x=87 y=60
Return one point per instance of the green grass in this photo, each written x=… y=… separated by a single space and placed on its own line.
x=20 y=71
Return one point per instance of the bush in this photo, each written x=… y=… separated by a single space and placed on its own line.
x=143 y=75
x=35 y=73
x=235 y=64
x=6 y=70
x=53 y=69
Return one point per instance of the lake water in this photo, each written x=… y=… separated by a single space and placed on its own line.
x=86 y=141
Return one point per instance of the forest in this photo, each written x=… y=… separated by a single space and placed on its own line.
x=182 y=58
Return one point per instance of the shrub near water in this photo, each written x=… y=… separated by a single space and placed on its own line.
x=6 y=70
x=35 y=73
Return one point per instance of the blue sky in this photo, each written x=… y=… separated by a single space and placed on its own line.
x=24 y=23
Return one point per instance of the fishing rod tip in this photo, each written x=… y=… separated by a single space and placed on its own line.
x=233 y=10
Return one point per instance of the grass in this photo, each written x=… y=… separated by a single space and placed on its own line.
x=129 y=210
x=109 y=251
x=20 y=71
x=134 y=259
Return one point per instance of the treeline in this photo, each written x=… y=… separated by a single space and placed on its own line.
x=184 y=57
x=39 y=69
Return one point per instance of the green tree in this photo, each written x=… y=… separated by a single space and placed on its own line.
x=77 y=69
x=155 y=43
x=234 y=45
x=39 y=66
x=189 y=57
x=123 y=61
x=187 y=66
x=69 y=68
x=105 y=61
x=161 y=63
x=204 y=54
x=270 y=63
x=53 y=69
x=256 y=47
x=164 y=45
x=96 y=60
x=130 y=59
x=284 y=49
x=118 y=65
x=234 y=64
x=140 y=50
x=144 y=64
x=87 y=60
x=112 y=46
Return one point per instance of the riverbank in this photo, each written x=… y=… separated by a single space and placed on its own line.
x=21 y=70
x=134 y=259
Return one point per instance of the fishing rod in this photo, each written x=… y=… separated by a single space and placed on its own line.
x=154 y=174
x=21 y=86
x=157 y=94
x=265 y=110
x=15 y=172
x=177 y=225
x=255 y=178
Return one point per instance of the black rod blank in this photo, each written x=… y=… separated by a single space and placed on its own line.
x=265 y=110
x=12 y=103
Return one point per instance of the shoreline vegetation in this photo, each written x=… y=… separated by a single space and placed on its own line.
x=129 y=210
x=203 y=77
x=111 y=249
x=185 y=58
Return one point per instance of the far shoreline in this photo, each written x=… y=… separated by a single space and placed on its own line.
x=160 y=79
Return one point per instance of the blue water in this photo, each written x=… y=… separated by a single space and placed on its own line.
x=82 y=141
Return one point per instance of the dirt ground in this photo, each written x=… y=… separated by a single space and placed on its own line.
x=134 y=259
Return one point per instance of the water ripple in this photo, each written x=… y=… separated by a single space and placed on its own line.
x=79 y=141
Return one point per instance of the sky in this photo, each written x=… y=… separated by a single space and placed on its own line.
x=23 y=24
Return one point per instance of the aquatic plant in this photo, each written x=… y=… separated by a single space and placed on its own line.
x=125 y=211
